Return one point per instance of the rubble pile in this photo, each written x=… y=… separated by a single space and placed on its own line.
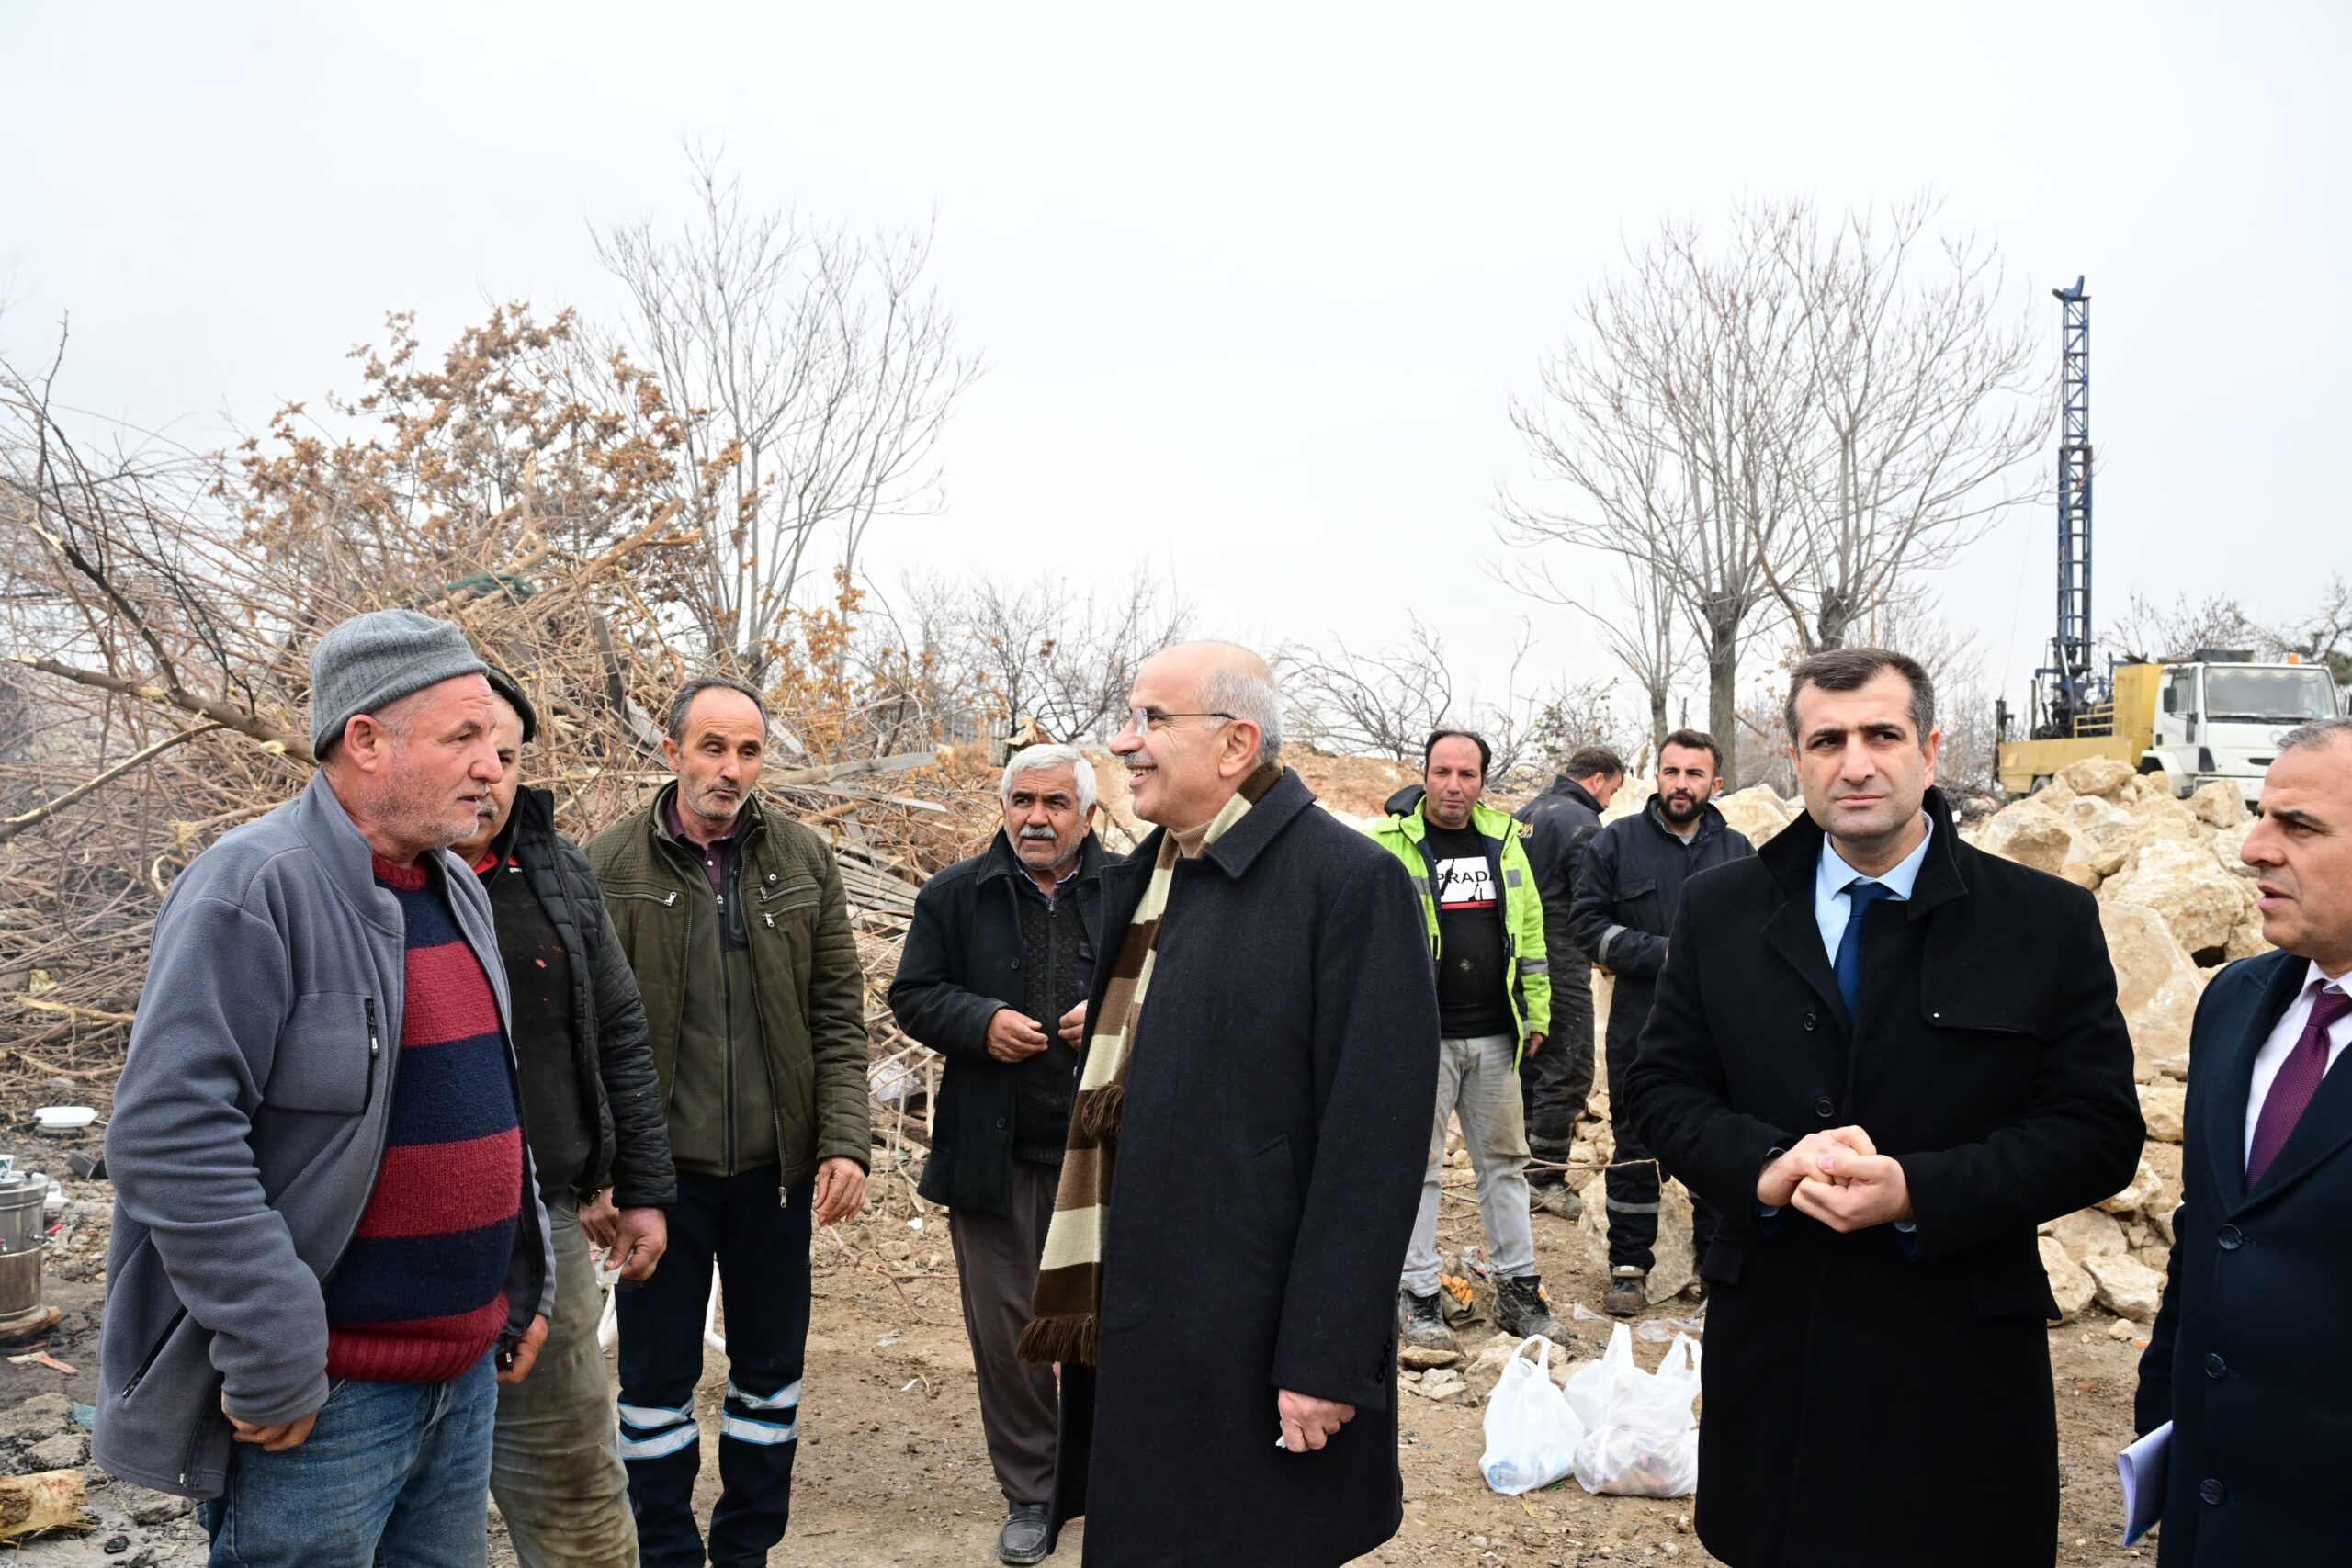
x=2177 y=903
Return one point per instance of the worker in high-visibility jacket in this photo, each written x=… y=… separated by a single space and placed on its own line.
x=1484 y=917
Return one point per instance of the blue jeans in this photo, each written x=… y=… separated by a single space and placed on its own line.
x=395 y=1475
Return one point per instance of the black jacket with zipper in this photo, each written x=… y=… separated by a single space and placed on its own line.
x=961 y=964
x=619 y=1090
x=1629 y=886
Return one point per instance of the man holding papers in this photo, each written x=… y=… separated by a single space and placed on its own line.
x=2248 y=1361
x=1884 y=1056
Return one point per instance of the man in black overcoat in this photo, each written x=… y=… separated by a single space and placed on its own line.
x=2248 y=1360
x=1886 y=1057
x=1241 y=1409
x=993 y=977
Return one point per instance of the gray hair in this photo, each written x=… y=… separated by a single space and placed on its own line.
x=1042 y=758
x=682 y=704
x=1249 y=695
x=2318 y=732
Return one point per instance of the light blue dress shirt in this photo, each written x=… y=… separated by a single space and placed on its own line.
x=1830 y=904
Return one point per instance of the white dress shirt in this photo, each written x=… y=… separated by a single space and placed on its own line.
x=2273 y=1054
x=1830 y=904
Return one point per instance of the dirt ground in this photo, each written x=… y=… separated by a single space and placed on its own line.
x=893 y=1469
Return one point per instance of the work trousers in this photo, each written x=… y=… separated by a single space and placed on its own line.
x=554 y=1467
x=1476 y=1081
x=1634 y=1177
x=996 y=1261
x=761 y=1250
x=1555 y=1083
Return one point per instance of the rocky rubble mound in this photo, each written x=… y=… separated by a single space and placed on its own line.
x=2177 y=904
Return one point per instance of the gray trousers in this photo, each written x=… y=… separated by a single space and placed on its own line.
x=996 y=1262
x=554 y=1467
x=1476 y=1081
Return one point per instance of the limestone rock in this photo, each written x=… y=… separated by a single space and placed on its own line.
x=2127 y=1287
x=2073 y=1288
x=2246 y=942
x=1756 y=812
x=2220 y=803
x=2086 y=1233
x=2030 y=834
x=2146 y=1190
x=2183 y=883
x=1632 y=797
x=2157 y=782
x=2160 y=1107
x=1485 y=1368
x=2082 y=877
x=2096 y=775
x=2227 y=842
x=1589 y=1241
x=2156 y=986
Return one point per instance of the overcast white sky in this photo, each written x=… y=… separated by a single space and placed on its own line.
x=1252 y=283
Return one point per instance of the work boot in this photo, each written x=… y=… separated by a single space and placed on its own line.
x=1628 y=1291
x=1521 y=1310
x=1554 y=1198
x=1023 y=1538
x=1424 y=1340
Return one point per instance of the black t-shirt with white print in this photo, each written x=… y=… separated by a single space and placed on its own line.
x=1473 y=995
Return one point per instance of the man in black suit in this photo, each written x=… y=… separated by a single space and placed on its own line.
x=1885 y=1057
x=2247 y=1360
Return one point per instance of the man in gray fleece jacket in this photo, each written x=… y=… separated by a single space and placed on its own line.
x=327 y=1237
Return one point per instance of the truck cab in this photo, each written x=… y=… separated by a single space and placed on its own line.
x=2220 y=716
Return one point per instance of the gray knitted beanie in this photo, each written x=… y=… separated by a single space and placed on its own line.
x=372 y=661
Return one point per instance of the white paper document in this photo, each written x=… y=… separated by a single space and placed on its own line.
x=2142 y=1466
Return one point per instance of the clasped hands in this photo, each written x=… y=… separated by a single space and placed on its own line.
x=1838 y=1177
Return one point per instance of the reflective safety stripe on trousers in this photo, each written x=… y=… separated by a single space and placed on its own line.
x=778 y=1417
x=653 y=1431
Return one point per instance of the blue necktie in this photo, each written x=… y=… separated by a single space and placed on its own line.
x=1861 y=894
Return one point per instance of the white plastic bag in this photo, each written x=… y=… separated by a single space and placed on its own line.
x=1640 y=1439
x=1532 y=1434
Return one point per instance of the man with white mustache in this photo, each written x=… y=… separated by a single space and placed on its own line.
x=994 y=977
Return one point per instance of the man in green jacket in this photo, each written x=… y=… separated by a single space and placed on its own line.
x=1485 y=918
x=734 y=920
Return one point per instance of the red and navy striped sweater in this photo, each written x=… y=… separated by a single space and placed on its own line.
x=419 y=1294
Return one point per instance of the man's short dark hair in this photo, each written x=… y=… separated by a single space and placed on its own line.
x=1852 y=669
x=1590 y=761
x=682 y=704
x=1486 y=752
x=1692 y=740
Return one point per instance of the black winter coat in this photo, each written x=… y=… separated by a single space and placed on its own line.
x=1628 y=886
x=1864 y=1404
x=962 y=963
x=2248 y=1360
x=1270 y=1141
x=1561 y=822
x=617 y=1088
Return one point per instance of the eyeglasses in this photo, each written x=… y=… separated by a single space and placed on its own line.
x=1143 y=719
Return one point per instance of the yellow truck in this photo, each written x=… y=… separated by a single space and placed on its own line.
x=2217 y=716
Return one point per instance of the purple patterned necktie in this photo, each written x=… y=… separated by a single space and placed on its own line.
x=2297 y=1081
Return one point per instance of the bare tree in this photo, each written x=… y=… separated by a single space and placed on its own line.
x=1383 y=703
x=2150 y=631
x=1922 y=402
x=828 y=371
x=1386 y=703
x=1665 y=416
x=1046 y=651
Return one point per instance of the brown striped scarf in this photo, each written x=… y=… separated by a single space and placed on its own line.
x=1069 y=1275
